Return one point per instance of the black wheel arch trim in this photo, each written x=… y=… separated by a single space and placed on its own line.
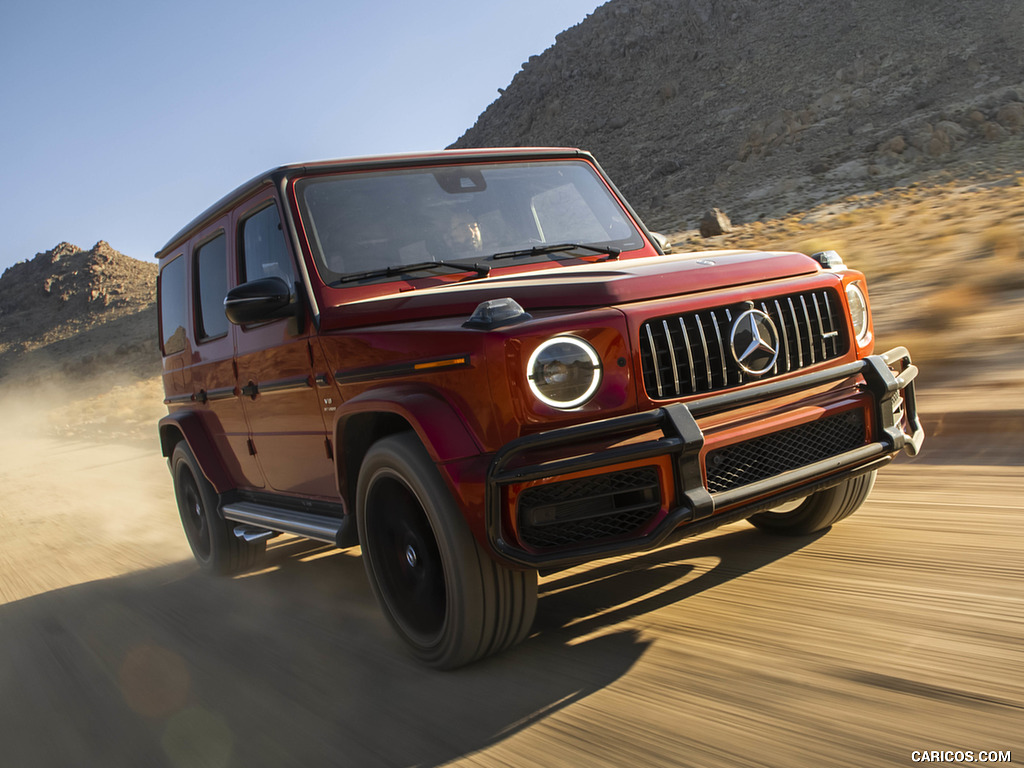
x=187 y=426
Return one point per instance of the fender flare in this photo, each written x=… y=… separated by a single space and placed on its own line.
x=187 y=426
x=441 y=429
x=436 y=422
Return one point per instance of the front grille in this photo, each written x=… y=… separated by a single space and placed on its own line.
x=588 y=509
x=771 y=455
x=690 y=354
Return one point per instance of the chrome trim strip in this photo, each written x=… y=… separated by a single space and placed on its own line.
x=221 y=393
x=283 y=385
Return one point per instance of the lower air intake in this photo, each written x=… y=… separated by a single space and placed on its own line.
x=590 y=509
x=771 y=455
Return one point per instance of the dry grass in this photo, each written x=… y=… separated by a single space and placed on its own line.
x=1002 y=243
x=945 y=264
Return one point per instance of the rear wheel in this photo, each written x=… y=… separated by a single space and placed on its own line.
x=818 y=511
x=211 y=538
x=444 y=596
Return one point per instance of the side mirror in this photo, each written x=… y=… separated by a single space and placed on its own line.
x=661 y=242
x=258 y=301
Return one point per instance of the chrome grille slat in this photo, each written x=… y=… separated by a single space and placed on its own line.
x=796 y=330
x=654 y=358
x=707 y=357
x=821 y=327
x=833 y=334
x=721 y=350
x=689 y=356
x=764 y=308
x=810 y=340
x=672 y=356
x=785 y=336
x=739 y=371
x=810 y=325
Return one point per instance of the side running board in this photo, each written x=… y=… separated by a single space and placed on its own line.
x=332 y=530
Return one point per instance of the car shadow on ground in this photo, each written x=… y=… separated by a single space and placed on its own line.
x=295 y=665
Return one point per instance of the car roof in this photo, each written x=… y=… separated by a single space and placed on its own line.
x=368 y=162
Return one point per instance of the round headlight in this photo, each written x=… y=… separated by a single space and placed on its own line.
x=564 y=372
x=858 y=310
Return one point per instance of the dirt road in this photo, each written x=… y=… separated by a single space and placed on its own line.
x=902 y=629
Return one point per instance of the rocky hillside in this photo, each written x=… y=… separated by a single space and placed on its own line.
x=763 y=108
x=78 y=313
x=799 y=119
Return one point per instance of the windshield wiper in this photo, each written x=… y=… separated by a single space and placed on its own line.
x=401 y=269
x=541 y=250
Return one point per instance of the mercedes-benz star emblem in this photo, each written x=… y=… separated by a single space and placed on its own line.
x=754 y=342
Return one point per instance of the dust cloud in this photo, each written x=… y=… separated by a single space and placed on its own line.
x=84 y=491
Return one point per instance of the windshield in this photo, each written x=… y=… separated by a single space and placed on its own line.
x=367 y=222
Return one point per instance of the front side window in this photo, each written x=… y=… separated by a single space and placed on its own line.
x=263 y=249
x=369 y=221
x=211 y=286
x=173 y=307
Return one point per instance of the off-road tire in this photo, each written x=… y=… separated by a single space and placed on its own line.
x=444 y=596
x=820 y=510
x=213 y=542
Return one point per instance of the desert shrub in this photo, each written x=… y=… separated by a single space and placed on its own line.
x=944 y=308
x=1001 y=243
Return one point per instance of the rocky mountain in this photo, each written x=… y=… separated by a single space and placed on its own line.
x=78 y=313
x=762 y=108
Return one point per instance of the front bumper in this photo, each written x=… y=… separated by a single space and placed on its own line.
x=887 y=378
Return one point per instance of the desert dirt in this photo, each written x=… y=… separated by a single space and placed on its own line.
x=898 y=630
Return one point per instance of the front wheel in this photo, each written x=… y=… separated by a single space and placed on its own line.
x=818 y=511
x=444 y=596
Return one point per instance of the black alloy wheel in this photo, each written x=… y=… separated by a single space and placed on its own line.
x=410 y=569
x=442 y=593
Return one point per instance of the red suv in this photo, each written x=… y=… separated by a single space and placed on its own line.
x=478 y=365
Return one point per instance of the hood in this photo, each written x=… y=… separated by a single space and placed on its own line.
x=591 y=285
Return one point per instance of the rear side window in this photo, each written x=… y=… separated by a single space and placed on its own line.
x=264 y=253
x=173 y=311
x=211 y=281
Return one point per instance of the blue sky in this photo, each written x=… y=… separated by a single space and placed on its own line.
x=121 y=120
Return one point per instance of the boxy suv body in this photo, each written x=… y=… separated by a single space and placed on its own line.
x=480 y=365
